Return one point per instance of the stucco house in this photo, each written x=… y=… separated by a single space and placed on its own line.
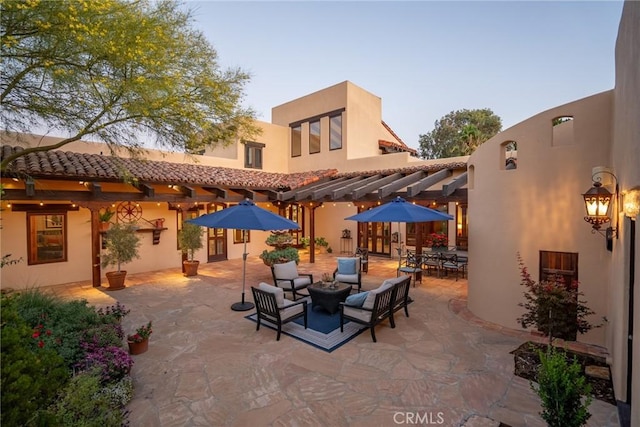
x=329 y=155
x=326 y=156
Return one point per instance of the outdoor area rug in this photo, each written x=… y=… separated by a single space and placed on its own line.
x=323 y=329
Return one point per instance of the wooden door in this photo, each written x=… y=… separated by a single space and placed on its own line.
x=216 y=237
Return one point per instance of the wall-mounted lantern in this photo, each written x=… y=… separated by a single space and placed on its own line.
x=598 y=201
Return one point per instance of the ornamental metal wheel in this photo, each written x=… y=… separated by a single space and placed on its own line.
x=129 y=212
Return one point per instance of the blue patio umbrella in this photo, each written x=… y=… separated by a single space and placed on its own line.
x=399 y=210
x=244 y=216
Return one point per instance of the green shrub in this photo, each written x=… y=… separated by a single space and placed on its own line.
x=321 y=241
x=83 y=403
x=280 y=255
x=44 y=338
x=30 y=375
x=560 y=387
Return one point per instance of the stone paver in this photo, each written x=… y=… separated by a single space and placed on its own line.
x=208 y=366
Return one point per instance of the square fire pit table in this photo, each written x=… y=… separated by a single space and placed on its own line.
x=326 y=297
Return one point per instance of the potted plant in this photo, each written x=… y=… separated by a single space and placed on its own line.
x=322 y=244
x=139 y=342
x=279 y=240
x=278 y=256
x=437 y=241
x=122 y=244
x=104 y=216
x=190 y=241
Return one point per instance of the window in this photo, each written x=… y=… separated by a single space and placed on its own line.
x=562 y=131
x=462 y=226
x=509 y=155
x=47 y=237
x=335 y=132
x=253 y=155
x=296 y=141
x=237 y=236
x=314 y=137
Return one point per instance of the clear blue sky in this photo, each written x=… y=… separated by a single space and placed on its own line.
x=423 y=58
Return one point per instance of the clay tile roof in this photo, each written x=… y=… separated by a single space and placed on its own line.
x=80 y=166
x=406 y=170
x=398 y=144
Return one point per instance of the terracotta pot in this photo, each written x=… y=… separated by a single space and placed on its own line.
x=191 y=267
x=104 y=226
x=116 y=280
x=138 y=347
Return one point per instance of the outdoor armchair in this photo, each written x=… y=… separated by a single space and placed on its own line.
x=376 y=308
x=286 y=276
x=272 y=306
x=349 y=271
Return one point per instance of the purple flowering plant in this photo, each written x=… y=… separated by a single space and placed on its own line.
x=113 y=361
x=117 y=311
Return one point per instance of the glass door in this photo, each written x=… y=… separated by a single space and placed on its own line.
x=379 y=238
x=216 y=237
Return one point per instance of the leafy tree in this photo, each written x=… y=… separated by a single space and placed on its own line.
x=121 y=71
x=459 y=133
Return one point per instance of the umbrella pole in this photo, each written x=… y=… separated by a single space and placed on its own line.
x=243 y=306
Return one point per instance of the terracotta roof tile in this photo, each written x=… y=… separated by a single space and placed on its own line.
x=70 y=165
x=406 y=170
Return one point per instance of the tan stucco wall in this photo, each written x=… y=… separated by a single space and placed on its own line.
x=537 y=206
x=361 y=127
x=626 y=165
x=78 y=267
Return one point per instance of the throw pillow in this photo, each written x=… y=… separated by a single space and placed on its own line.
x=356 y=300
x=347 y=265
x=371 y=298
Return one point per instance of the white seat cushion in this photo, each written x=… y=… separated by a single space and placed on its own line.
x=286 y=271
x=299 y=282
x=347 y=278
x=357 y=313
x=274 y=290
x=288 y=312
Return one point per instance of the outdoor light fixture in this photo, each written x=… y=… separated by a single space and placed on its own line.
x=632 y=203
x=597 y=201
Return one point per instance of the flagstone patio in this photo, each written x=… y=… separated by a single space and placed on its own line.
x=208 y=366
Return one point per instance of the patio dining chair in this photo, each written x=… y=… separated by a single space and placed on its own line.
x=432 y=261
x=411 y=265
x=451 y=262
x=363 y=253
